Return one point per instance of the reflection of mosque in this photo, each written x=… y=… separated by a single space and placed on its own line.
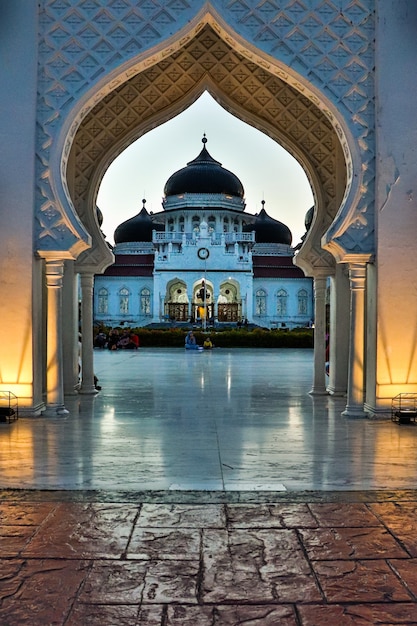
x=203 y=259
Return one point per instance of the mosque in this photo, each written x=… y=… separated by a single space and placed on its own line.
x=203 y=260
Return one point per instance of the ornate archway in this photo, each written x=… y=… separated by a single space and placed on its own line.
x=243 y=87
x=261 y=94
x=256 y=84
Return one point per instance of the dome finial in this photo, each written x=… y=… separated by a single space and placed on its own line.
x=143 y=202
x=204 y=140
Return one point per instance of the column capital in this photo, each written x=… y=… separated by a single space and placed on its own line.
x=54 y=272
x=319 y=286
x=357 y=275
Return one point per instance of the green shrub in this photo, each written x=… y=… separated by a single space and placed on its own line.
x=235 y=338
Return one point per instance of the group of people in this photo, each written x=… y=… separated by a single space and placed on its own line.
x=127 y=340
x=191 y=342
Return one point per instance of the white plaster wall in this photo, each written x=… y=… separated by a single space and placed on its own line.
x=113 y=284
x=396 y=198
x=292 y=286
x=18 y=76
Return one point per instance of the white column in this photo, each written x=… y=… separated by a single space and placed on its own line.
x=70 y=329
x=54 y=366
x=87 y=355
x=319 y=381
x=355 y=392
x=339 y=336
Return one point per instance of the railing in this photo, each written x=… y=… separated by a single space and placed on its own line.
x=191 y=239
x=164 y=237
x=239 y=237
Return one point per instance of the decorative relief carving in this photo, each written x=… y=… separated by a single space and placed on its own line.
x=328 y=43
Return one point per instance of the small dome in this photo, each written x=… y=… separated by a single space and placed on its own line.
x=138 y=228
x=308 y=220
x=268 y=230
x=204 y=175
x=99 y=216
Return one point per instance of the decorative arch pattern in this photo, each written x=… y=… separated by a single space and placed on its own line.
x=287 y=60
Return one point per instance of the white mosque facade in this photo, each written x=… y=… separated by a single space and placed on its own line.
x=203 y=260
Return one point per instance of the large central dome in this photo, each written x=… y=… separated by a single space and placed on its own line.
x=204 y=175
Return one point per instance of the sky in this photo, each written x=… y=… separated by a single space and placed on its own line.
x=266 y=170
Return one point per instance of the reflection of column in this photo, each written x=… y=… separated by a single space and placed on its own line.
x=87 y=356
x=54 y=369
x=319 y=381
x=355 y=399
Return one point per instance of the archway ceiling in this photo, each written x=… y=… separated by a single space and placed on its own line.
x=244 y=88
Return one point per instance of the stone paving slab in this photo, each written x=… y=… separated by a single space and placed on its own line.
x=72 y=562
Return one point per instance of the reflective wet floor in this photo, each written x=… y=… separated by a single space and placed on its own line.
x=221 y=420
x=207 y=489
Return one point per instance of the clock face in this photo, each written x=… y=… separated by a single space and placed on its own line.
x=203 y=253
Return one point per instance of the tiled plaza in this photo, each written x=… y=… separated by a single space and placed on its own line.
x=207 y=489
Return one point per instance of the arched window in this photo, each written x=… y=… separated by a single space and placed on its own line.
x=103 y=301
x=282 y=298
x=260 y=302
x=196 y=224
x=181 y=223
x=124 y=301
x=236 y=225
x=302 y=302
x=145 y=301
x=171 y=225
x=211 y=224
x=226 y=225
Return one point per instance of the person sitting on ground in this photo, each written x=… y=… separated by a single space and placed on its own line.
x=190 y=342
x=133 y=342
x=207 y=345
x=113 y=339
x=124 y=340
x=101 y=340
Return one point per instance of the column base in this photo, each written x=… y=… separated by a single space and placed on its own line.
x=333 y=391
x=73 y=392
x=318 y=391
x=355 y=412
x=55 y=411
x=88 y=391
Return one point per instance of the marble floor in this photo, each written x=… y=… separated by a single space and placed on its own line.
x=224 y=420
x=207 y=489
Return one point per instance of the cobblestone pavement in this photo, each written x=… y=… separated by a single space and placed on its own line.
x=204 y=559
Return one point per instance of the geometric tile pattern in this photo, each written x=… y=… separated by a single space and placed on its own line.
x=277 y=106
x=282 y=64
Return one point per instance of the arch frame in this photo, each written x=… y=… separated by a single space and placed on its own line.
x=347 y=215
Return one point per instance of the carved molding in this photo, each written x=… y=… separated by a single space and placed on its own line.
x=278 y=67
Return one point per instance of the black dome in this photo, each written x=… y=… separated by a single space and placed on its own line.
x=138 y=228
x=268 y=230
x=99 y=216
x=308 y=220
x=204 y=175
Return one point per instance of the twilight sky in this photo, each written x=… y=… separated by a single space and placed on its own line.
x=265 y=169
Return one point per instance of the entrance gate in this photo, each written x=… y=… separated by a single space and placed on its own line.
x=99 y=75
x=210 y=53
x=228 y=312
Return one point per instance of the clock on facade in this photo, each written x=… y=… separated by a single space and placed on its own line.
x=203 y=253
